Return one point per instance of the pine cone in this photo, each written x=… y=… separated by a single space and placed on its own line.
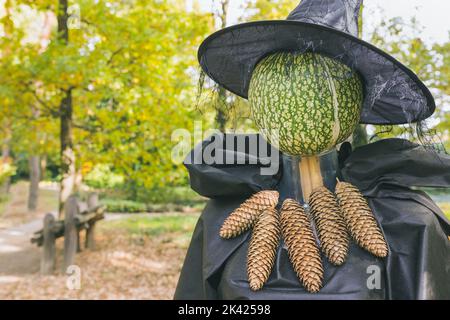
x=360 y=220
x=303 y=251
x=243 y=218
x=263 y=248
x=330 y=225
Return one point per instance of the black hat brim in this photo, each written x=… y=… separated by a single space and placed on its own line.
x=393 y=93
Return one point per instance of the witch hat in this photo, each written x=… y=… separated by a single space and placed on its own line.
x=393 y=93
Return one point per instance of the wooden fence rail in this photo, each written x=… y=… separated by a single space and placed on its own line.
x=69 y=228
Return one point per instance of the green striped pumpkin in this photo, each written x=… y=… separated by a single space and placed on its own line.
x=304 y=104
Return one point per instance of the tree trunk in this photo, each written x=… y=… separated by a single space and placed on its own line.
x=221 y=113
x=65 y=110
x=221 y=104
x=63 y=17
x=43 y=166
x=35 y=170
x=8 y=28
x=70 y=232
x=78 y=180
x=68 y=171
x=360 y=135
x=37 y=164
x=6 y=158
x=35 y=177
x=360 y=21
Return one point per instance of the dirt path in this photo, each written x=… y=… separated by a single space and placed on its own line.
x=18 y=257
x=127 y=263
x=124 y=266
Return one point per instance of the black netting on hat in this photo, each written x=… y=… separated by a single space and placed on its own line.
x=393 y=93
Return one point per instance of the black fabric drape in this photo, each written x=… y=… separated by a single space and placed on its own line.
x=418 y=264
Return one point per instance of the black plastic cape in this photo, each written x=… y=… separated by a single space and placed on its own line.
x=386 y=172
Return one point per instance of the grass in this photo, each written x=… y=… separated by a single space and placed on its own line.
x=3 y=202
x=174 y=228
x=156 y=225
x=173 y=199
x=130 y=206
x=48 y=199
x=445 y=207
x=177 y=195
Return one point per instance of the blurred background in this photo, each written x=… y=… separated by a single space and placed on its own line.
x=91 y=92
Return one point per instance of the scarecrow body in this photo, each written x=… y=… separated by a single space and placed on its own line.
x=309 y=81
x=415 y=229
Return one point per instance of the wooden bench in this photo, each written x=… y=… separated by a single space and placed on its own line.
x=75 y=220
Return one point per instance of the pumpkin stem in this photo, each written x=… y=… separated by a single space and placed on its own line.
x=310 y=175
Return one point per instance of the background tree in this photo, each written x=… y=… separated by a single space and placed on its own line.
x=221 y=105
x=118 y=84
x=7 y=55
x=268 y=10
x=403 y=40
